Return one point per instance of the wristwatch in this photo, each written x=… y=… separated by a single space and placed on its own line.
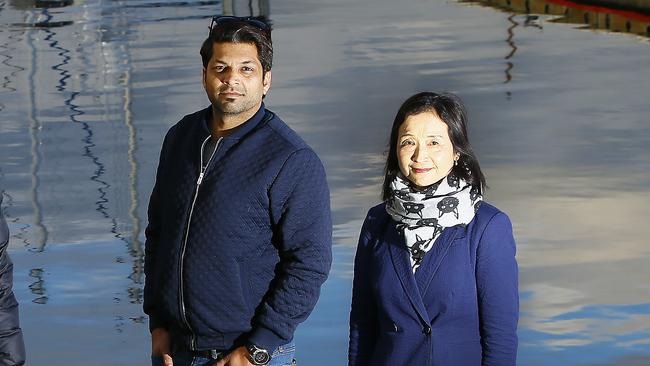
x=258 y=356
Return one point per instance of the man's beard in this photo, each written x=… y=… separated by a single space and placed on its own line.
x=235 y=107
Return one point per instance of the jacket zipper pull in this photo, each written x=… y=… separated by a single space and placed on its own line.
x=198 y=181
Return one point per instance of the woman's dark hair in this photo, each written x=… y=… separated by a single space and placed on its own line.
x=451 y=110
x=240 y=32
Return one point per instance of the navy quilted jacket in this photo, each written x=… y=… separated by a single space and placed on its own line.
x=258 y=245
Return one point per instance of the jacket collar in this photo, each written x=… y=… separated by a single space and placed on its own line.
x=241 y=130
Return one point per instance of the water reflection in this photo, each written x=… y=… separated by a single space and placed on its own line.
x=112 y=58
x=513 y=47
x=615 y=16
x=254 y=8
x=44 y=4
x=38 y=286
x=511 y=43
x=583 y=273
x=85 y=106
x=35 y=128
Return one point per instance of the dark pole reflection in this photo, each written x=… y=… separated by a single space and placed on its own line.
x=530 y=21
x=75 y=112
x=38 y=286
x=513 y=49
x=115 y=42
x=88 y=148
x=6 y=53
x=116 y=57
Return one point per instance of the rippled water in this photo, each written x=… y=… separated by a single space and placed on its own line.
x=559 y=118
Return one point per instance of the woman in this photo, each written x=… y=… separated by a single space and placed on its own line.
x=435 y=276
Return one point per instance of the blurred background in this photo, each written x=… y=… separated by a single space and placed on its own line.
x=557 y=93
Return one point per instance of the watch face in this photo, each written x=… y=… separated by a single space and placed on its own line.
x=261 y=357
x=258 y=356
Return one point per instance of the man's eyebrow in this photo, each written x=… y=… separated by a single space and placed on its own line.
x=249 y=61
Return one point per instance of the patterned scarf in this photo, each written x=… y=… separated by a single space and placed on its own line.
x=423 y=213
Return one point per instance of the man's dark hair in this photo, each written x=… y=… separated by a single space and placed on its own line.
x=240 y=32
x=452 y=112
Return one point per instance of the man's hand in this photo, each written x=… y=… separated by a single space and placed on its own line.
x=238 y=357
x=161 y=344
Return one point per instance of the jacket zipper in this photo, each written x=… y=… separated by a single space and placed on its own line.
x=202 y=171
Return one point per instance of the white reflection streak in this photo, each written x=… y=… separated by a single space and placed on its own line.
x=549 y=303
x=136 y=246
x=34 y=134
x=634 y=343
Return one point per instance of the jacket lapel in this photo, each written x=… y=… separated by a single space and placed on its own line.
x=435 y=256
x=399 y=256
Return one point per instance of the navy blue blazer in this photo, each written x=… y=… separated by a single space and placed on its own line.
x=459 y=309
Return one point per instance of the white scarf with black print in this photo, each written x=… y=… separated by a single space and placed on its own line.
x=423 y=213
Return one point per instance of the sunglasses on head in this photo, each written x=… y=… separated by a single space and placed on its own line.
x=223 y=19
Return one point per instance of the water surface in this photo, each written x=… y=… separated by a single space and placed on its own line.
x=559 y=119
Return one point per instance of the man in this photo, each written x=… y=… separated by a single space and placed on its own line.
x=239 y=235
x=12 y=346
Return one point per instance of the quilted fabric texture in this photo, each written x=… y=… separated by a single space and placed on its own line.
x=259 y=243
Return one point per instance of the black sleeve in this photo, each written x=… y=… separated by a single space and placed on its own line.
x=152 y=233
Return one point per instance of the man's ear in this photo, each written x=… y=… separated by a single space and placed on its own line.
x=203 y=75
x=266 y=82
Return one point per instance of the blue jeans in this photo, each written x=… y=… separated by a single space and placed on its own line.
x=282 y=356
